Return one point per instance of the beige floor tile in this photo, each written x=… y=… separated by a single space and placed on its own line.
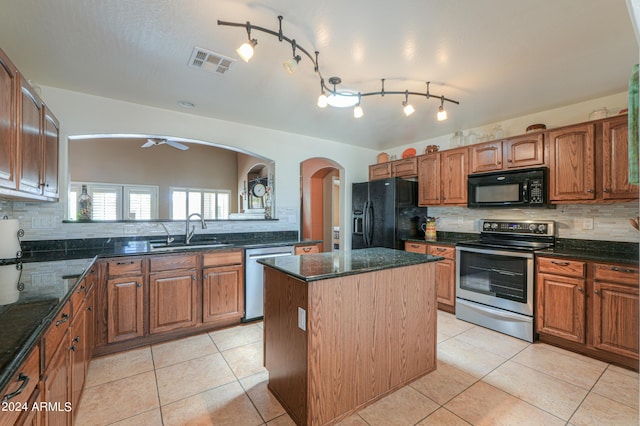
x=224 y=405
x=406 y=406
x=570 y=354
x=449 y=325
x=483 y=404
x=256 y=387
x=192 y=377
x=562 y=365
x=444 y=383
x=624 y=371
x=492 y=341
x=120 y=365
x=352 y=420
x=283 y=420
x=245 y=360
x=165 y=354
x=118 y=400
x=467 y=358
x=150 y=418
x=442 y=417
x=237 y=336
x=597 y=410
x=552 y=395
x=618 y=386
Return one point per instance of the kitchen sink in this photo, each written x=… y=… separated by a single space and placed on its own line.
x=163 y=246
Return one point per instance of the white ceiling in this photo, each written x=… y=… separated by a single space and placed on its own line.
x=500 y=58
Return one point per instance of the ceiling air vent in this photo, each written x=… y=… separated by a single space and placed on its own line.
x=210 y=61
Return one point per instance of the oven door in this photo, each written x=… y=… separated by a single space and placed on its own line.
x=498 y=278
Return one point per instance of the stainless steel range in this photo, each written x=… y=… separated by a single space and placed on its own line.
x=495 y=275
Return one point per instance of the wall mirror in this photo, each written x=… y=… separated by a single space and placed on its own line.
x=146 y=178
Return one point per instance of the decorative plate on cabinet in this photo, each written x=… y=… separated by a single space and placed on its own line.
x=409 y=152
x=383 y=157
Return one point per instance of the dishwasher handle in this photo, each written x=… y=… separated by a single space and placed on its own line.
x=263 y=256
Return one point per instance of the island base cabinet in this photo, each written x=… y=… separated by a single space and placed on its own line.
x=336 y=345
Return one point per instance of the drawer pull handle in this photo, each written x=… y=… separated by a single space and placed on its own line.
x=73 y=348
x=555 y=262
x=21 y=378
x=64 y=318
x=625 y=270
x=441 y=249
x=415 y=246
x=306 y=249
x=125 y=263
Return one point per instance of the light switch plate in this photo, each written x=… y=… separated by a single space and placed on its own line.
x=302 y=319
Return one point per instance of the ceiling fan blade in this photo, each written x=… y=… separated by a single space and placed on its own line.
x=177 y=145
x=148 y=143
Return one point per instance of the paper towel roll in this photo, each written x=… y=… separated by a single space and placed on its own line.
x=9 y=276
x=9 y=244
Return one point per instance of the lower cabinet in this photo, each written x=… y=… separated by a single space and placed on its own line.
x=172 y=300
x=223 y=287
x=56 y=387
x=302 y=249
x=125 y=308
x=445 y=271
x=22 y=389
x=588 y=307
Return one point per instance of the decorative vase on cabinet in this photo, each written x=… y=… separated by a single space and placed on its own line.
x=84 y=205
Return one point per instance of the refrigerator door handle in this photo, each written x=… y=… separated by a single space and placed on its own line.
x=365 y=224
x=369 y=223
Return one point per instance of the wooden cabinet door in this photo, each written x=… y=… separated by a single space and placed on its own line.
x=429 y=180
x=9 y=92
x=51 y=150
x=222 y=294
x=561 y=307
x=55 y=387
x=124 y=308
x=572 y=168
x=486 y=157
x=30 y=150
x=90 y=313
x=78 y=356
x=172 y=300
x=455 y=168
x=615 y=318
x=615 y=161
x=446 y=281
x=380 y=171
x=524 y=151
x=407 y=167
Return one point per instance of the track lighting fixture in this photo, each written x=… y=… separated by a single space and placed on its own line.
x=408 y=108
x=291 y=65
x=245 y=51
x=442 y=114
x=334 y=97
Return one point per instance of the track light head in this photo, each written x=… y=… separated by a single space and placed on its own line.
x=291 y=65
x=357 y=111
x=323 y=101
x=442 y=114
x=408 y=108
x=245 y=51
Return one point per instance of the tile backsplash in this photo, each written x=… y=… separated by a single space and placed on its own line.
x=608 y=221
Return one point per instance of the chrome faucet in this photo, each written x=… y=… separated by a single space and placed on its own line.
x=189 y=234
x=169 y=237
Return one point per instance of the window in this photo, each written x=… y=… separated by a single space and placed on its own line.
x=210 y=203
x=117 y=202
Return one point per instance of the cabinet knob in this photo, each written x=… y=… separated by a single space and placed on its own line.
x=590 y=190
x=499 y=162
x=138 y=284
x=509 y=160
x=580 y=289
x=597 y=292
x=606 y=190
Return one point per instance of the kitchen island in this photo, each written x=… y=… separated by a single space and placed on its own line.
x=343 y=329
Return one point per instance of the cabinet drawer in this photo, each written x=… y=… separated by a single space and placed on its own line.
x=415 y=247
x=447 y=252
x=222 y=258
x=569 y=268
x=616 y=273
x=20 y=387
x=124 y=266
x=78 y=296
x=299 y=250
x=179 y=261
x=55 y=333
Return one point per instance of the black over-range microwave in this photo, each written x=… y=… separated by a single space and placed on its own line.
x=514 y=188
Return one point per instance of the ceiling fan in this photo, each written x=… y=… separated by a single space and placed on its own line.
x=158 y=141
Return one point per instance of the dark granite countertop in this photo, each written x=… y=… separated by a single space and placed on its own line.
x=594 y=250
x=321 y=266
x=447 y=238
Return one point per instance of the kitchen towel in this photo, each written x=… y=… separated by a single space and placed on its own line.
x=9 y=244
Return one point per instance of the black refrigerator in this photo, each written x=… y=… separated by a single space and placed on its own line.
x=385 y=212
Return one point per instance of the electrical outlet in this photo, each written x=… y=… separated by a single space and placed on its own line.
x=302 y=319
x=587 y=223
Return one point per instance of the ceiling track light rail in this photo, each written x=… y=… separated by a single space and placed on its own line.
x=354 y=98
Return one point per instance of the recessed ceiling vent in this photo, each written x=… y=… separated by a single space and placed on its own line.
x=210 y=61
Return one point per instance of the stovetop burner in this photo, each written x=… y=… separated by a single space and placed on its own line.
x=514 y=235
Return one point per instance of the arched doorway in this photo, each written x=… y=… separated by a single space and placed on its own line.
x=320 y=202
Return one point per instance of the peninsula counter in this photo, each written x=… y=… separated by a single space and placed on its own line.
x=344 y=329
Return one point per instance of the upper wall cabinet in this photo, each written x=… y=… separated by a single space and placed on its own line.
x=615 y=160
x=522 y=151
x=8 y=121
x=29 y=140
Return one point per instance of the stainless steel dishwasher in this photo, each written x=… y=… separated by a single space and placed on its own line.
x=253 y=279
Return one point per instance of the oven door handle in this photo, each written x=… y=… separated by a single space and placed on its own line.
x=527 y=255
x=498 y=271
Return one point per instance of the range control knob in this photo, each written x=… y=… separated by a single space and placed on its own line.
x=542 y=228
x=494 y=226
x=532 y=227
x=486 y=225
